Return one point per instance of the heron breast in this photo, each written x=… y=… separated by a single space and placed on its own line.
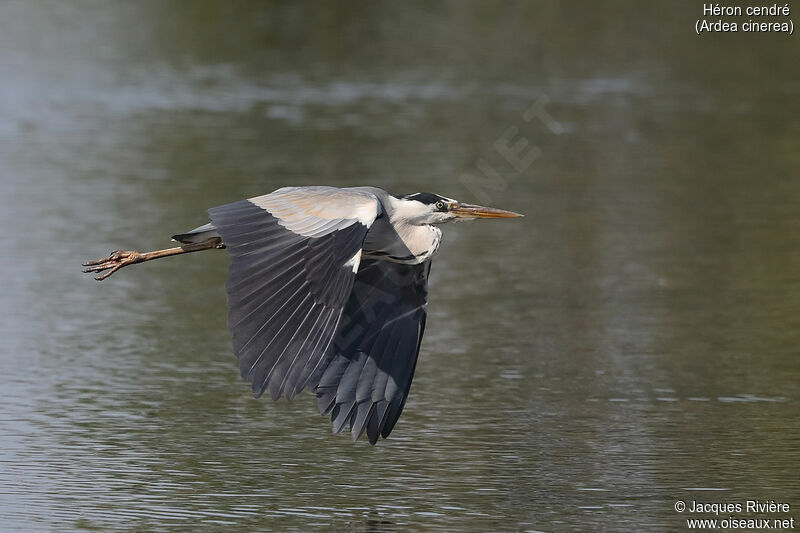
x=405 y=244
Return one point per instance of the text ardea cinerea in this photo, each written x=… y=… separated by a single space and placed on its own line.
x=327 y=290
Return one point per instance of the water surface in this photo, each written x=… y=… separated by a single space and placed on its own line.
x=631 y=342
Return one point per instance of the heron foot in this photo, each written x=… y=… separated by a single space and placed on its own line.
x=113 y=262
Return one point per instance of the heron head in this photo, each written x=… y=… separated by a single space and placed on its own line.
x=428 y=208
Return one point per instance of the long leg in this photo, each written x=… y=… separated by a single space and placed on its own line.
x=117 y=260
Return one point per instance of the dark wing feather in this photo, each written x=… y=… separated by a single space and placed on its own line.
x=287 y=289
x=375 y=350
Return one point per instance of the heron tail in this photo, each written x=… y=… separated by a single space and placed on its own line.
x=200 y=234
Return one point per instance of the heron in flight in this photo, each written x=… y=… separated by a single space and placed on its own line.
x=327 y=290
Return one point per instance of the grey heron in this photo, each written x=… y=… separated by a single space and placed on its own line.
x=327 y=290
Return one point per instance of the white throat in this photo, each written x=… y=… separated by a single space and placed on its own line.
x=403 y=236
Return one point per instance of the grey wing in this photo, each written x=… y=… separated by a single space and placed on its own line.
x=294 y=257
x=375 y=351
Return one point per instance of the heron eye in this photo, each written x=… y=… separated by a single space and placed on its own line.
x=440 y=206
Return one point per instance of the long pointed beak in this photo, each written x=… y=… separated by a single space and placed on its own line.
x=478 y=211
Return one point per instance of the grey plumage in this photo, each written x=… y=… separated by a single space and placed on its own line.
x=286 y=293
x=296 y=317
x=327 y=290
x=200 y=234
x=376 y=348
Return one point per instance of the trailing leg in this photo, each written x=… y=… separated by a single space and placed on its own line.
x=119 y=259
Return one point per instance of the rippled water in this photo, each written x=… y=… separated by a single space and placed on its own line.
x=632 y=341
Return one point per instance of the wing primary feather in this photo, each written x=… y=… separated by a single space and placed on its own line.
x=346 y=391
x=341 y=415
x=326 y=402
x=251 y=271
x=243 y=304
x=376 y=421
x=363 y=413
x=319 y=366
x=303 y=355
x=317 y=354
x=306 y=332
x=263 y=351
x=281 y=366
x=268 y=323
x=392 y=416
